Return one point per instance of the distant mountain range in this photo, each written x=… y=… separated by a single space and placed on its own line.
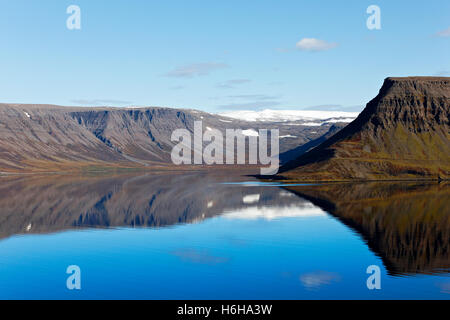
x=54 y=138
x=403 y=133
x=305 y=117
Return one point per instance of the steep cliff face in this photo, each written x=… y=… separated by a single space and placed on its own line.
x=143 y=134
x=54 y=138
x=34 y=135
x=47 y=137
x=403 y=133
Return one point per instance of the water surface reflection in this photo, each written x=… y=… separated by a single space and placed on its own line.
x=406 y=224
x=43 y=204
x=199 y=235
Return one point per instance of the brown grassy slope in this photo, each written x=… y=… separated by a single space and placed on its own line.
x=32 y=137
x=53 y=138
x=403 y=133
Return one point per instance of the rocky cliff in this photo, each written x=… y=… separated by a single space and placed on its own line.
x=54 y=138
x=403 y=133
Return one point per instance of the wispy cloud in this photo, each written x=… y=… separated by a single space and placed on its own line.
x=195 y=70
x=199 y=256
x=317 y=279
x=327 y=107
x=250 y=105
x=315 y=45
x=275 y=83
x=230 y=84
x=253 y=97
x=442 y=73
x=176 y=88
x=100 y=102
x=335 y=107
x=444 y=33
x=251 y=101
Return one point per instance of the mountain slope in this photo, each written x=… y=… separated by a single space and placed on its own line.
x=403 y=133
x=297 y=152
x=54 y=138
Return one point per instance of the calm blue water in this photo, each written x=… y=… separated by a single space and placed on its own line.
x=272 y=245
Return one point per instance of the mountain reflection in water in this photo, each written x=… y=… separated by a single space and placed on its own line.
x=48 y=204
x=406 y=224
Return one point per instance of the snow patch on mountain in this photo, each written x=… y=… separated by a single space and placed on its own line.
x=310 y=116
x=287 y=136
x=250 y=133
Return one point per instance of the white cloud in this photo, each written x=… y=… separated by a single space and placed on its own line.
x=444 y=33
x=232 y=83
x=251 y=198
x=196 y=69
x=312 y=44
x=275 y=213
x=98 y=102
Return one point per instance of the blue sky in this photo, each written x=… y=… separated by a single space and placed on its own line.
x=216 y=55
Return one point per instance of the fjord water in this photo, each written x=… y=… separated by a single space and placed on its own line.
x=221 y=236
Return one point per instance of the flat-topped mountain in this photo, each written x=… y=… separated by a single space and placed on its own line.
x=403 y=133
x=54 y=138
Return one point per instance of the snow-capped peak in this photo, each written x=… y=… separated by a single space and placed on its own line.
x=269 y=115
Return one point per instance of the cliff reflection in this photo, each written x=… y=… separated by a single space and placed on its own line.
x=406 y=224
x=43 y=204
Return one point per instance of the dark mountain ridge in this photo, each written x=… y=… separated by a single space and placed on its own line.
x=403 y=133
